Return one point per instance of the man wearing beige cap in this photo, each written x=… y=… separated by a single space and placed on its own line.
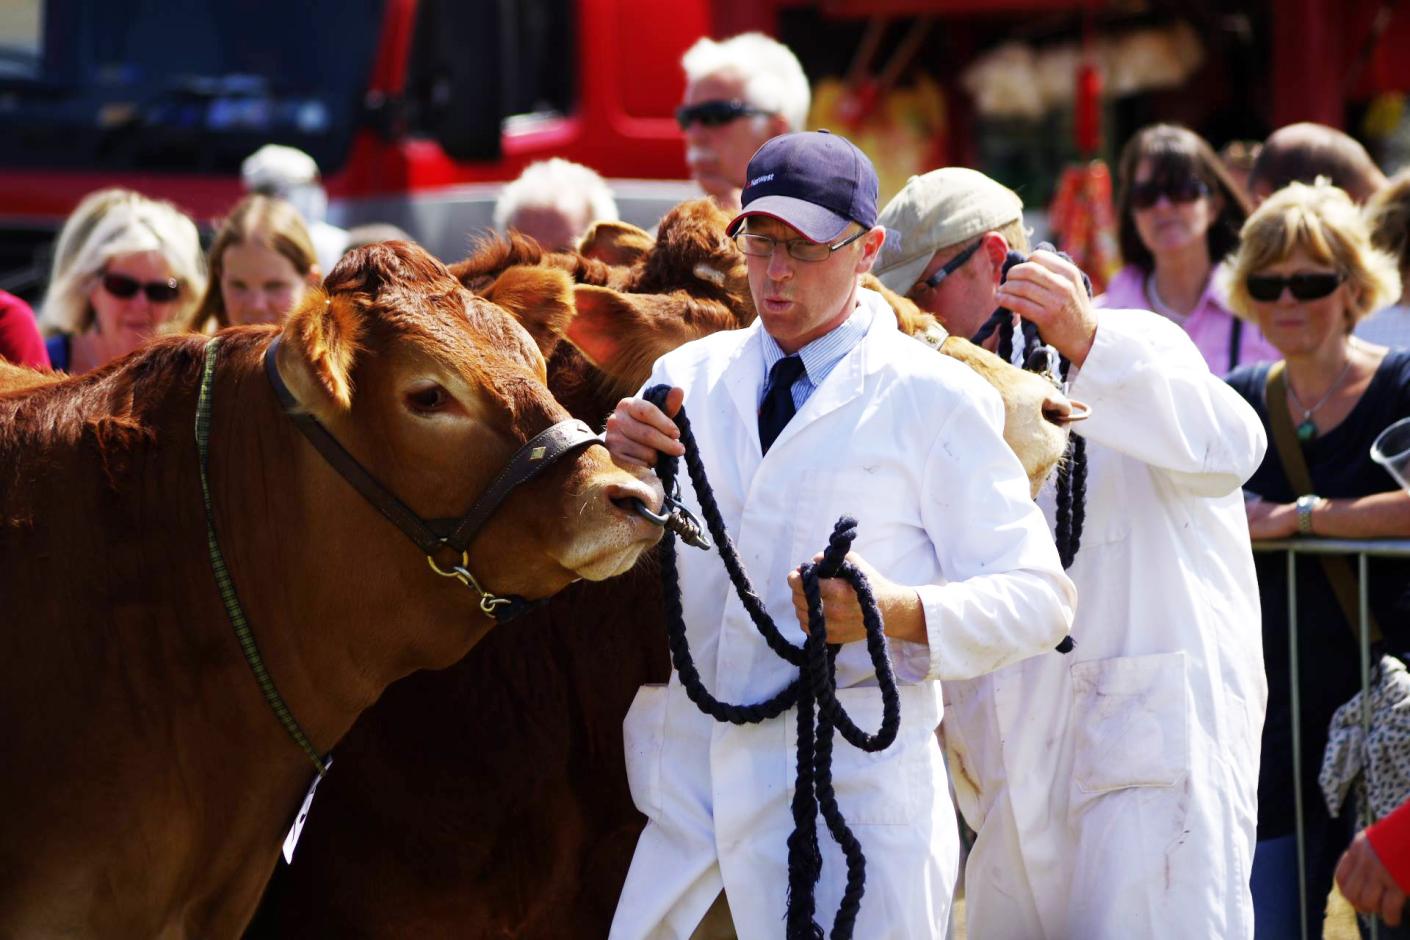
x=1114 y=789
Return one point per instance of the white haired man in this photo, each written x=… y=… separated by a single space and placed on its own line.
x=554 y=202
x=290 y=174
x=1114 y=789
x=739 y=92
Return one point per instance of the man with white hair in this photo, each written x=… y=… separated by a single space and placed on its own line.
x=292 y=175
x=738 y=93
x=554 y=202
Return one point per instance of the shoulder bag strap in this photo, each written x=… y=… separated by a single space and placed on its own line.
x=1336 y=567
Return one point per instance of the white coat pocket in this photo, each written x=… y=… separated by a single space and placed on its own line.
x=643 y=734
x=1131 y=716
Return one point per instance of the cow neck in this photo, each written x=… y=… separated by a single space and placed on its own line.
x=249 y=648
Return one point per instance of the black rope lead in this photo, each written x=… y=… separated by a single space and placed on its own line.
x=1071 y=483
x=814 y=691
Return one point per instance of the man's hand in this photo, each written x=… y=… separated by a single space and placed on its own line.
x=637 y=431
x=1048 y=290
x=1367 y=885
x=1269 y=520
x=901 y=610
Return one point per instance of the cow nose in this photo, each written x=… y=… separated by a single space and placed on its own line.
x=626 y=493
x=1062 y=411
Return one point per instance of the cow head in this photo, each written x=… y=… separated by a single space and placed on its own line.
x=433 y=390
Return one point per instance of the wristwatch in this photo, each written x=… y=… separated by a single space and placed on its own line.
x=1305 y=505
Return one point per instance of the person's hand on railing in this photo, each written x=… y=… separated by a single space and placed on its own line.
x=1270 y=520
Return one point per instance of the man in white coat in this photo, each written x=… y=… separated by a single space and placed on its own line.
x=1114 y=789
x=958 y=555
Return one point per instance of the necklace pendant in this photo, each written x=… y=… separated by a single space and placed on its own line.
x=1307 y=430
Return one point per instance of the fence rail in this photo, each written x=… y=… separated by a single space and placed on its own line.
x=1363 y=549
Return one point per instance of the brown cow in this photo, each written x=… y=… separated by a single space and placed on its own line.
x=508 y=814
x=146 y=782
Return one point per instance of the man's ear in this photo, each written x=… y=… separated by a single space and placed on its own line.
x=996 y=249
x=871 y=249
x=323 y=334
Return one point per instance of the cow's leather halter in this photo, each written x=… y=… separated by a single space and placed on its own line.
x=528 y=462
x=440 y=536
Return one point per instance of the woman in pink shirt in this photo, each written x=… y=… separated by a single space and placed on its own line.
x=1180 y=215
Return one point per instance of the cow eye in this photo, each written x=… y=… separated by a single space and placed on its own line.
x=428 y=399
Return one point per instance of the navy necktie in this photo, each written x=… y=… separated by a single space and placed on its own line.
x=777 y=407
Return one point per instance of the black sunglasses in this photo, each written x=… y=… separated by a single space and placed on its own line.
x=1144 y=195
x=950 y=267
x=714 y=113
x=1305 y=285
x=158 y=292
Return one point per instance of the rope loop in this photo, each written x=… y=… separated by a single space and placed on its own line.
x=813 y=691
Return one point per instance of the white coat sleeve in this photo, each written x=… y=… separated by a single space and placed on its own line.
x=1005 y=596
x=1154 y=399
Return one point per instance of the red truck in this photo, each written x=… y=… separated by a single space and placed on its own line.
x=416 y=110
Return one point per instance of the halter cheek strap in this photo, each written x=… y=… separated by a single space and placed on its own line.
x=436 y=537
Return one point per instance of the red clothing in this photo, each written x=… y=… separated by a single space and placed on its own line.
x=1391 y=839
x=20 y=341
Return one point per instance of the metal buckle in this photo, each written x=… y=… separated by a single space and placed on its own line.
x=461 y=573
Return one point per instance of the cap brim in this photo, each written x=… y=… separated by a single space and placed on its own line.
x=813 y=221
x=903 y=276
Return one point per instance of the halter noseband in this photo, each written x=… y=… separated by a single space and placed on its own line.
x=434 y=536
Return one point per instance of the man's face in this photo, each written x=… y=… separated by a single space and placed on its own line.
x=965 y=299
x=719 y=156
x=802 y=300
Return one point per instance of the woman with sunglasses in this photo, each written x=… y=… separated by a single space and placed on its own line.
x=125 y=266
x=1306 y=272
x=261 y=261
x=1180 y=215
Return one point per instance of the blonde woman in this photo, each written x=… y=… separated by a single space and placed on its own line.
x=125 y=266
x=1305 y=273
x=261 y=262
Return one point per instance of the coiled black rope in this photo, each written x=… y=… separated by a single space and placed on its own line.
x=820 y=715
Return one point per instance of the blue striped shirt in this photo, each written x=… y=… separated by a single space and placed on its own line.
x=820 y=356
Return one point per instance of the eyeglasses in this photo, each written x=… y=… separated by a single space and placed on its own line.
x=125 y=288
x=800 y=249
x=1144 y=195
x=949 y=267
x=1305 y=285
x=715 y=113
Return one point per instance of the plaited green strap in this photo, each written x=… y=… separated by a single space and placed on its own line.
x=222 y=573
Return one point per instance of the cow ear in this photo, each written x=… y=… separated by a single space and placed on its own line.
x=615 y=243
x=325 y=333
x=623 y=334
x=540 y=298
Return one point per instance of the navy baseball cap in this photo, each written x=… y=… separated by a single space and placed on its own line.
x=817 y=182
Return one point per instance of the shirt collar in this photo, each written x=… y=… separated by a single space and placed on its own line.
x=822 y=354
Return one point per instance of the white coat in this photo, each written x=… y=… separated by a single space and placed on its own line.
x=909 y=443
x=1114 y=789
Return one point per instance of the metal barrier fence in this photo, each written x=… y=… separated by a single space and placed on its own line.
x=1363 y=549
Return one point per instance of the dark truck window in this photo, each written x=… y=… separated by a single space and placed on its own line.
x=476 y=63
x=157 y=85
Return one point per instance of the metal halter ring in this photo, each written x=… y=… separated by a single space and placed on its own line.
x=461 y=572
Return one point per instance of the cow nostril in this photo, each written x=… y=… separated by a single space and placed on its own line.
x=627 y=497
x=1065 y=411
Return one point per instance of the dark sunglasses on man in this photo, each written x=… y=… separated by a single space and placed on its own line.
x=125 y=288
x=1305 y=285
x=1147 y=194
x=714 y=113
x=949 y=267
